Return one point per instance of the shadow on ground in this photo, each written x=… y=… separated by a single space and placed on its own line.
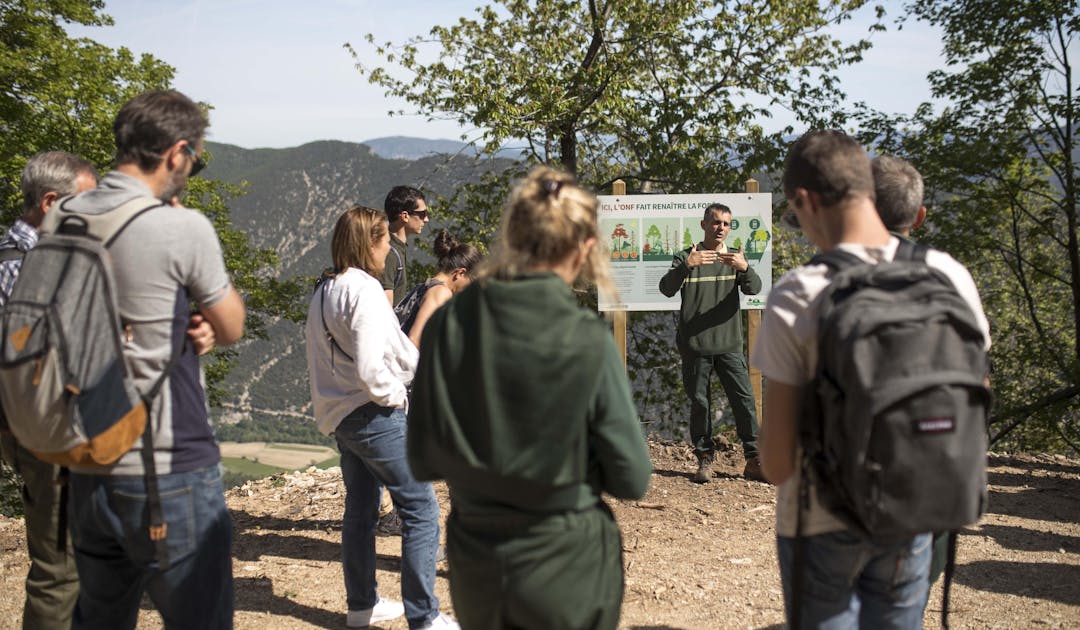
x=1039 y=580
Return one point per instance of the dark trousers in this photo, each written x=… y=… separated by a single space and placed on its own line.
x=734 y=376
x=531 y=572
x=52 y=584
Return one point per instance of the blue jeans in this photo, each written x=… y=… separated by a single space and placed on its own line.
x=372 y=444
x=850 y=582
x=116 y=558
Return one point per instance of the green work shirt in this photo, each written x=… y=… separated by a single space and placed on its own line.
x=521 y=403
x=709 y=321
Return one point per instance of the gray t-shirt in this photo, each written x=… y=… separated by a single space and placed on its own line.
x=167 y=262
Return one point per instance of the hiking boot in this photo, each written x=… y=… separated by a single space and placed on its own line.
x=752 y=471
x=704 y=467
x=384 y=610
x=389 y=525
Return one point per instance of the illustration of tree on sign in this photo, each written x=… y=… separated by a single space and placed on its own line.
x=653 y=242
x=687 y=240
x=620 y=239
x=755 y=247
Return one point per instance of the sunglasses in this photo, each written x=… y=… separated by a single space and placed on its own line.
x=197 y=163
x=420 y=213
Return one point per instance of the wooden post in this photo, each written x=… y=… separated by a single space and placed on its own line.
x=753 y=324
x=618 y=187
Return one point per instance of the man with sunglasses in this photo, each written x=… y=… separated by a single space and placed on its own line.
x=407 y=213
x=167 y=264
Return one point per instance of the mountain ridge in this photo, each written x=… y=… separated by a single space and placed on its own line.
x=293 y=198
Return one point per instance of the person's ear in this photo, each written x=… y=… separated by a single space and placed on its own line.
x=920 y=217
x=176 y=156
x=48 y=200
x=586 y=247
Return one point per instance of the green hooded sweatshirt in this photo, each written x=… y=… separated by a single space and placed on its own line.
x=521 y=403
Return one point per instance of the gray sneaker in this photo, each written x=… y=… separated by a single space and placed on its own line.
x=389 y=525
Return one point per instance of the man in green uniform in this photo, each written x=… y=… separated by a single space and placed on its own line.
x=710 y=337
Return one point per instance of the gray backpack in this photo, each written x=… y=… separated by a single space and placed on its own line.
x=65 y=386
x=895 y=438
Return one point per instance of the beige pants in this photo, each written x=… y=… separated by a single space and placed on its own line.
x=386 y=505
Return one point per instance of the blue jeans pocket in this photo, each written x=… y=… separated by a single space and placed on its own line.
x=178 y=509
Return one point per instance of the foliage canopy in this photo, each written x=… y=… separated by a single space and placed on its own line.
x=1000 y=164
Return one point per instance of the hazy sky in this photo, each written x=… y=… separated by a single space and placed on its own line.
x=277 y=74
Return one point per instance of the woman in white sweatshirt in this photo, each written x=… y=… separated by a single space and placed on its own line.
x=360 y=362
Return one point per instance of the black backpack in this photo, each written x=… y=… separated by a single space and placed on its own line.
x=893 y=430
x=409 y=305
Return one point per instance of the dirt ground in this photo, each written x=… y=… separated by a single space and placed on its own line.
x=697 y=556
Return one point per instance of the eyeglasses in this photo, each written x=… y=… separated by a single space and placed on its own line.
x=420 y=213
x=197 y=163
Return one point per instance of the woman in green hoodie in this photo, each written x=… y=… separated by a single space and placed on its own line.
x=521 y=403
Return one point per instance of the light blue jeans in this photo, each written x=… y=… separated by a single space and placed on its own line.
x=372 y=444
x=116 y=558
x=850 y=582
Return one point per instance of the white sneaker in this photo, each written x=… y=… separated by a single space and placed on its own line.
x=384 y=610
x=442 y=621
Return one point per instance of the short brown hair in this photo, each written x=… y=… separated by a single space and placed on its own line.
x=357 y=229
x=150 y=123
x=715 y=207
x=829 y=163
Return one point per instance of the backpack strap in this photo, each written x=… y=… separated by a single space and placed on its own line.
x=950 y=567
x=11 y=253
x=158 y=528
x=799 y=557
x=837 y=259
x=400 y=271
x=321 y=288
x=104 y=227
x=910 y=250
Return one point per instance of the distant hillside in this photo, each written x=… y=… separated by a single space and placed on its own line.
x=294 y=197
x=404 y=148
